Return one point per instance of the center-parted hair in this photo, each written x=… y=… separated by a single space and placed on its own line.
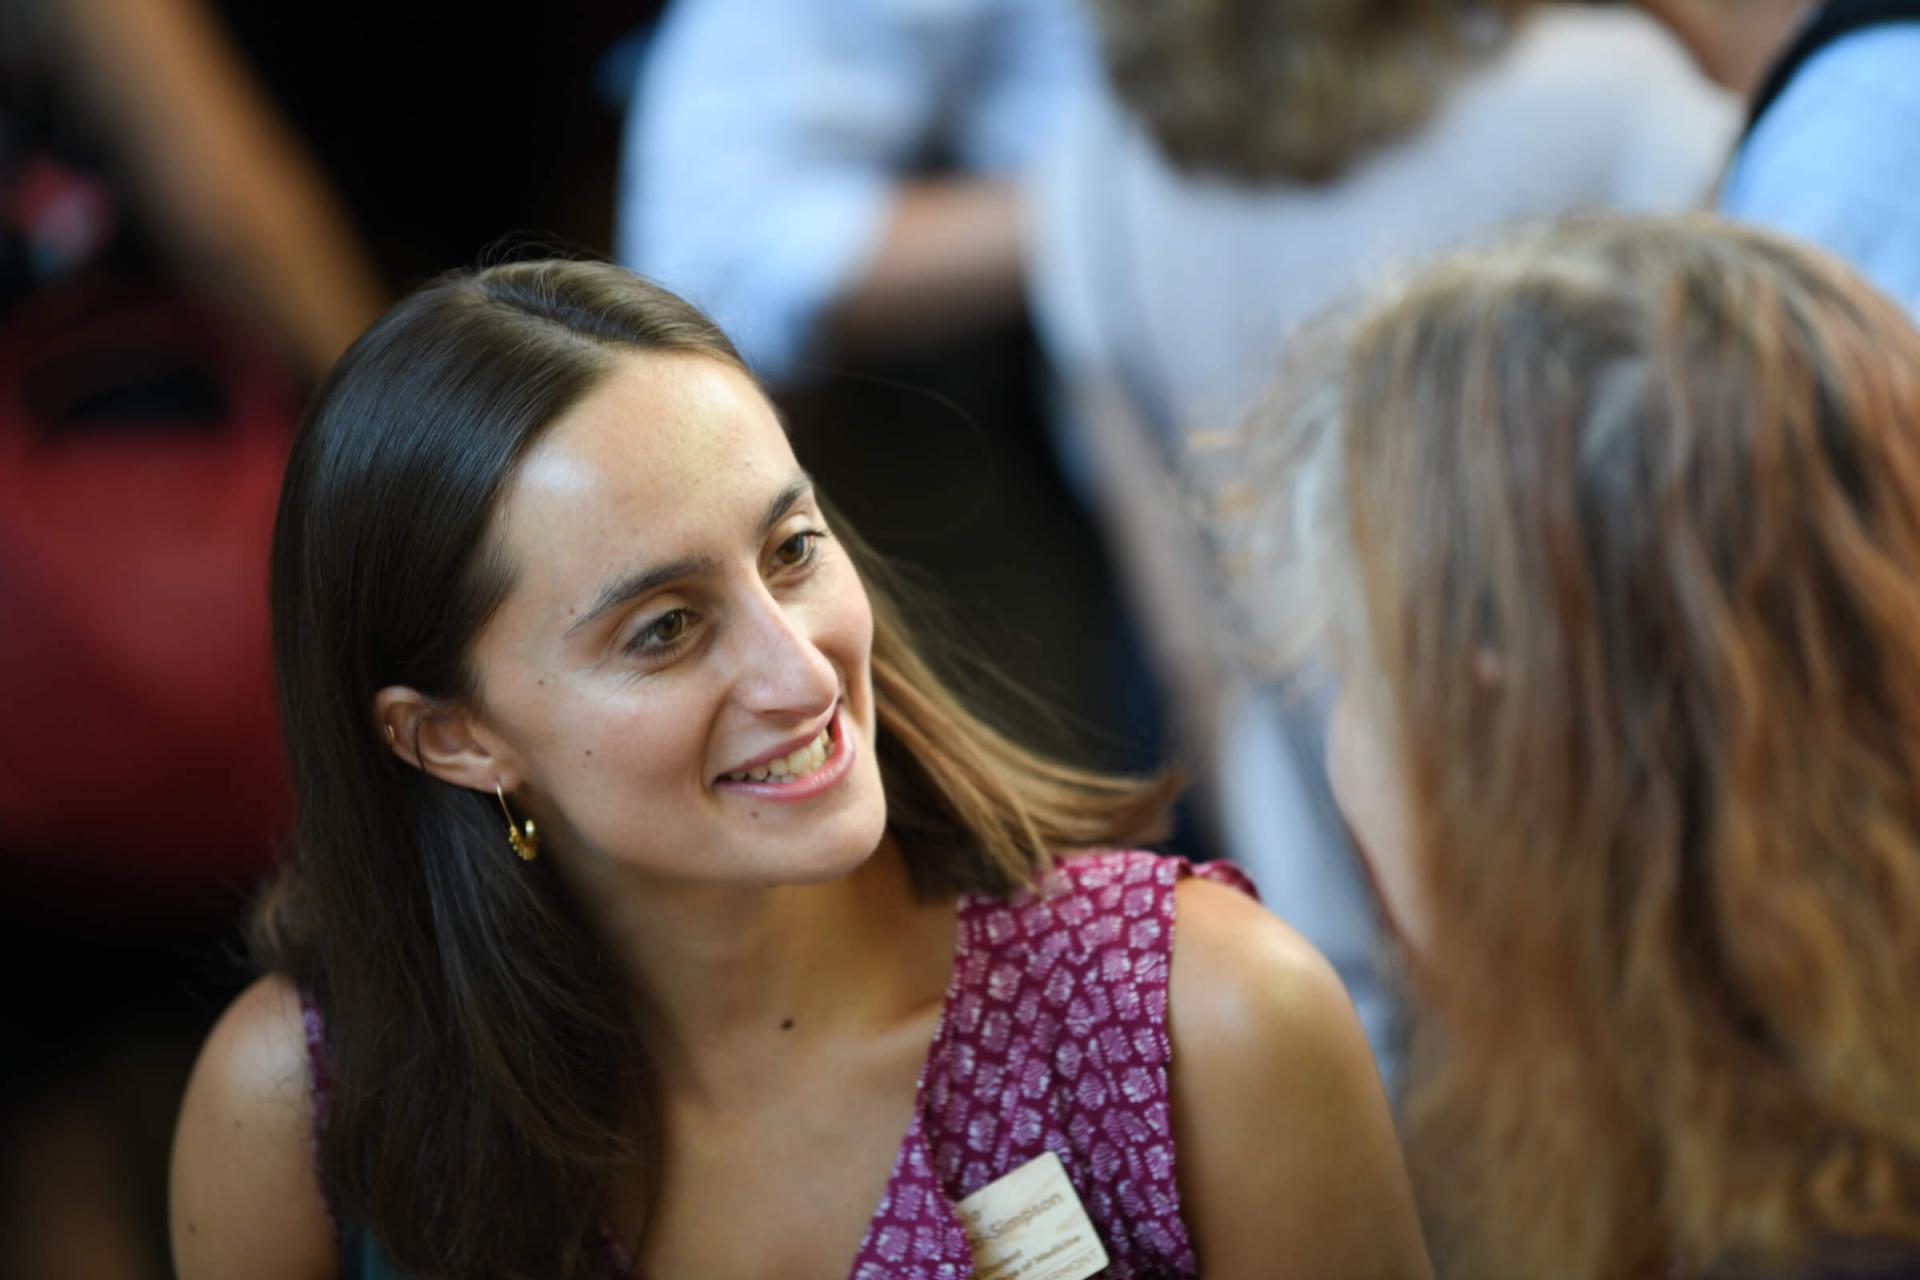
x=487 y=1074
x=1623 y=520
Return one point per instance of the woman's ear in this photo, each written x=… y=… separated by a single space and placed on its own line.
x=441 y=741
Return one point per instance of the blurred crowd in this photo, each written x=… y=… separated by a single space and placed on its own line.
x=1017 y=272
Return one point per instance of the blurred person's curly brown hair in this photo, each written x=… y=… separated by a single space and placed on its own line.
x=1288 y=90
x=1624 y=518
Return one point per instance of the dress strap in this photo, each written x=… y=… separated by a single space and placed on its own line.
x=1056 y=1040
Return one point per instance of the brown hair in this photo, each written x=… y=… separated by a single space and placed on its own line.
x=1278 y=90
x=1626 y=516
x=487 y=1072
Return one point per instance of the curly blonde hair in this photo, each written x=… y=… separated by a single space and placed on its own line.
x=1625 y=516
x=1289 y=90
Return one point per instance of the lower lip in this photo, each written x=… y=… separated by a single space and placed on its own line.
x=835 y=767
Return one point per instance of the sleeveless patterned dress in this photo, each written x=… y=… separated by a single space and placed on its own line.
x=1053 y=1037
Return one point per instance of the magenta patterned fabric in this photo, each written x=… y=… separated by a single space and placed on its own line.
x=1053 y=1037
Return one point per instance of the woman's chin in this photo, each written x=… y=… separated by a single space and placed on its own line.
x=844 y=857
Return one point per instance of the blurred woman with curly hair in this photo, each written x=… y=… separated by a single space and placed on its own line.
x=1616 y=532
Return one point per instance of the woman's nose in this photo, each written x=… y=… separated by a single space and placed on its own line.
x=783 y=671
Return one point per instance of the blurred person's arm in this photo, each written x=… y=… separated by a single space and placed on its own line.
x=949 y=264
x=775 y=165
x=234 y=197
x=953 y=257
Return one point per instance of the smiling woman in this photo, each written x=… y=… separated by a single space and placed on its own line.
x=678 y=635
x=785 y=962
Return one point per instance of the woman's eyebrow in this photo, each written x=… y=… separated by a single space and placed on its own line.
x=631 y=585
x=783 y=502
x=628 y=586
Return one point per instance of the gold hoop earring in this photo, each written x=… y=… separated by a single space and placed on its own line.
x=524 y=839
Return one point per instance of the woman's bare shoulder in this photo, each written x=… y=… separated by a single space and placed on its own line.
x=1286 y=1146
x=245 y=1193
x=1242 y=973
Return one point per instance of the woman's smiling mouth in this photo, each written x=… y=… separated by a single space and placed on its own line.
x=805 y=771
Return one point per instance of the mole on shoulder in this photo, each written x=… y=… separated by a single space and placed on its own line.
x=787 y=1025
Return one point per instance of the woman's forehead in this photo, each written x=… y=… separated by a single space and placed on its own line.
x=667 y=458
x=659 y=434
x=656 y=406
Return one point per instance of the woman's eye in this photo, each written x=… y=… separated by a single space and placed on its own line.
x=798 y=549
x=663 y=633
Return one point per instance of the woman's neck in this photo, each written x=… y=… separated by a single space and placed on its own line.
x=1734 y=41
x=724 y=975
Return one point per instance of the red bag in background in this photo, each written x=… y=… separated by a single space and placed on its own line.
x=141 y=448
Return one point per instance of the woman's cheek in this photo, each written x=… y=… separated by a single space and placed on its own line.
x=1368 y=787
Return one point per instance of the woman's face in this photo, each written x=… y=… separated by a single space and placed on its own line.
x=679 y=680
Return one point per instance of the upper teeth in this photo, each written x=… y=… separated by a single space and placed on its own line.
x=792 y=765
